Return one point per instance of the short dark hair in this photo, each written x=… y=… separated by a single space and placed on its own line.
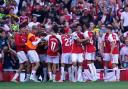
x=109 y=26
x=55 y=29
x=78 y=24
x=34 y=27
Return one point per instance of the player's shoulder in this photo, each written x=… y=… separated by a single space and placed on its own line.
x=81 y=32
x=115 y=33
x=58 y=35
x=110 y=36
x=74 y=33
x=123 y=13
x=53 y=36
x=85 y=31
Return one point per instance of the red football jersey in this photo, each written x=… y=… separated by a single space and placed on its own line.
x=106 y=43
x=114 y=38
x=20 y=40
x=89 y=47
x=53 y=45
x=77 y=47
x=66 y=43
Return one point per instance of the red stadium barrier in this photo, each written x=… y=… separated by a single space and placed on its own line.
x=58 y=76
x=1 y=76
x=124 y=75
x=1 y=73
x=1 y=67
x=8 y=75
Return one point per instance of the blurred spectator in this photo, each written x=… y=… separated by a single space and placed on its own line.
x=8 y=60
x=1 y=2
x=124 y=54
x=86 y=17
x=3 y=40
x=23 y=18
x=33 y=22
x=41 y=12
x=124 y=20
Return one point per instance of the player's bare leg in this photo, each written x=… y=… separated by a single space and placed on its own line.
x=74 y=71
x=117 y=71
x=80 y=78
x=106 y=64
x=28 y=71
x=54 y=67
x=62 y=72
x=50 y=71
x=70 y=71
x=21 y=67
x=44 y=72
x=92 y=69
x=33 y=72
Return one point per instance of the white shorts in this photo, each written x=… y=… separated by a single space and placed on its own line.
x=77 y=57
x=115 y=58
x=66 y=58
x=43 y=57
x=53 y=59
x=22 y=56
x=90 y=56
x=33 y=56
x=106 y=57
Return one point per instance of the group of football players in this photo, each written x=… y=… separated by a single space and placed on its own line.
x=76 y=46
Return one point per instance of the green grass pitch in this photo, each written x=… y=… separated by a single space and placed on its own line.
x=66 y=85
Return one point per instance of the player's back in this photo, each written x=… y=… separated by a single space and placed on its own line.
x=53 y=46
x=66 y=43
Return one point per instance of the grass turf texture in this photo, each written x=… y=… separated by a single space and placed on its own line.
x=66 y=85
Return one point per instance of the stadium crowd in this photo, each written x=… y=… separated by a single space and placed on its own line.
x=70 y=36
